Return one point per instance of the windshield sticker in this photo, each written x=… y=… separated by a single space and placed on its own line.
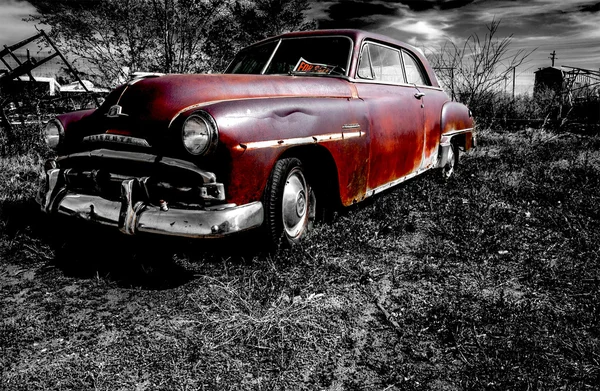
x=304 y=66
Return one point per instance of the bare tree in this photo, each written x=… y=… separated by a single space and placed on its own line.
x=477 y=69
x=116 y=37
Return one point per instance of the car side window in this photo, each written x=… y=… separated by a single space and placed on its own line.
x=381 y=63
x=386 y=64
x=414 y=70
x=364 y=64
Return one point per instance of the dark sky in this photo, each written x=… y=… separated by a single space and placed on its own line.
x=12 y=28
x=571 y=27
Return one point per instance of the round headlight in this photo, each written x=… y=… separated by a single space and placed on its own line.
x=53 y=133
x=199 y=134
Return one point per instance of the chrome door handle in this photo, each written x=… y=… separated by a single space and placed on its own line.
x=419 y=95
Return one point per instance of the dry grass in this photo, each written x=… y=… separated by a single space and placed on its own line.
x=489 y=281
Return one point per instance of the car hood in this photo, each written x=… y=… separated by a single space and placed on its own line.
x=156 y=101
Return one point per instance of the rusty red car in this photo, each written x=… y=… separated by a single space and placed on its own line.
x=297 y=125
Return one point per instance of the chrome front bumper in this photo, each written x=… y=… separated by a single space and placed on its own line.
x=133 y=217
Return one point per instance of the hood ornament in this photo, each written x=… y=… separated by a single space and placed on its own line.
x=115 y=112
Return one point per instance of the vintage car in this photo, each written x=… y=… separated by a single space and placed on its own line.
x=297 y=125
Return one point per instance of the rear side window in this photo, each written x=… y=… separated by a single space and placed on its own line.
x=414 y=70
x=381 y=63
x=386 y=64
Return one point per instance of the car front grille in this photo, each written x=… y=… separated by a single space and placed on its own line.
x=101 y=172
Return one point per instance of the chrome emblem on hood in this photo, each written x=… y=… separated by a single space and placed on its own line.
x=115 y=112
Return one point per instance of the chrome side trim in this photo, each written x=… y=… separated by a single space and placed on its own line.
x=299 y=140
x=455 y=132
x=393 y=183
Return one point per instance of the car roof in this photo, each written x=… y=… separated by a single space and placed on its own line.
x=355 y=34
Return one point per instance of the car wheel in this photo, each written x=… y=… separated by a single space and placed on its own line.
x=289 y=203
x=452 y=162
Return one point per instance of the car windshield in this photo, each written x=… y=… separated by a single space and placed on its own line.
x=298 y=56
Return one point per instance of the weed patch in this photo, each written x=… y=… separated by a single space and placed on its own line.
x=488 y=281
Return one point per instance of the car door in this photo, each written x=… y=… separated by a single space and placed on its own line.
x=432 y=100
x=396 y=114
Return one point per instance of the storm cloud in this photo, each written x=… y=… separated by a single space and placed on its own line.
x=571 y=28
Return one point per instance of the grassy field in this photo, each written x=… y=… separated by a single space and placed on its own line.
x=489 y=281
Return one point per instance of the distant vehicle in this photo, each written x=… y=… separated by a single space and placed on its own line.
x=298 y=124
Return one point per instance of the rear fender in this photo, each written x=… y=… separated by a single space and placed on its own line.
x=457 y=128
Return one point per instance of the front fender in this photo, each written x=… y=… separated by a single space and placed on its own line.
x=69 y=120
x=258 y=132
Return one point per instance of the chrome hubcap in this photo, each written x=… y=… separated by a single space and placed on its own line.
x=301 y=204
x=294 y=204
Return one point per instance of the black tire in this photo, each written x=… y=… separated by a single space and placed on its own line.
x=450 y=168
x=289 y=204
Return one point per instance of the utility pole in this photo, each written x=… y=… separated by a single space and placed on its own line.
x=514 y=81
x=553 y=56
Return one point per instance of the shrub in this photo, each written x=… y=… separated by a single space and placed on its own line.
x=22 y=140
